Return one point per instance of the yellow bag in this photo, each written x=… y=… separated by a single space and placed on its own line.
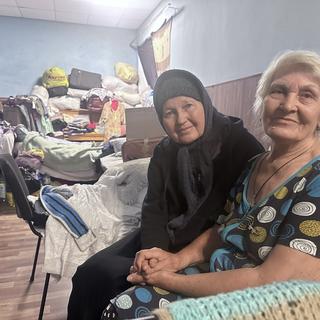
x=126 y=72
x=55 y=77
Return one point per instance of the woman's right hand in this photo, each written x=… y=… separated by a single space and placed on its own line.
x=151 y=260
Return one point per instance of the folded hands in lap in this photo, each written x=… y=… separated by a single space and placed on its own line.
x=153 y=266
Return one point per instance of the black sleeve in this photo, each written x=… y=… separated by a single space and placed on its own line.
x=239 y=147
x=154 y=217
x=245 y=147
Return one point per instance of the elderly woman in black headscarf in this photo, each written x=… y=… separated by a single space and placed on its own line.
x=189 y=177
x=193 y=169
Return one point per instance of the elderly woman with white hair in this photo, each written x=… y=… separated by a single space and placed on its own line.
x=270 y=230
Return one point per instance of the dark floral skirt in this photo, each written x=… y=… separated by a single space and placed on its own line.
x=139 y=301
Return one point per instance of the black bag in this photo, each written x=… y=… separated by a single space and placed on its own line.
x=80 y=79
x=57 y=91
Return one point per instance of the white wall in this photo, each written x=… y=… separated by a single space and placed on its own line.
x=221 y=40
x=29 y=47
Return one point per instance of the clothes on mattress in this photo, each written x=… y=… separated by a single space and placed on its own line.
x=88 y=175
x=104 y=209
x=59 y=124
x=6 y=139
x=62 y=190
x=74 y=160
x=31 y=159
x=117 y=143
x=20 y=132
x=107 y=149
x=35 y=113
x=59 y=208
x=111 y=160
x=72 y=92
x=29 y=163
x=113 y=84
x=87 y=144
x=41 y=92
x=114 y=145
x=64 y=103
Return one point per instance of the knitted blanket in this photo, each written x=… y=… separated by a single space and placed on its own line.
x=290 y=300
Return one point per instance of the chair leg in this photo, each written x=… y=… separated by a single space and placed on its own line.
x=35 y=260
x=44 y=296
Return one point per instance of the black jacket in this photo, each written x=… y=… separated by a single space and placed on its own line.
x=164 y=202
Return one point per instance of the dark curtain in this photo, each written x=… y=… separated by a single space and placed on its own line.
x=146 y=55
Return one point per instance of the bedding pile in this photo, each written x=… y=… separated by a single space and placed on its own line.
x=110 y=209
x=63 y=159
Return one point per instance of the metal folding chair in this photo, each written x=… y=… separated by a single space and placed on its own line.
x=15 y=181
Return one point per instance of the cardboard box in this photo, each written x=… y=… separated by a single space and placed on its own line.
x=143 y=123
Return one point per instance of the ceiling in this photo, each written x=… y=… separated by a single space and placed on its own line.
x=129 y=14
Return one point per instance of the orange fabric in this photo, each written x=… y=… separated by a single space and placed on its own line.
x=112 y=119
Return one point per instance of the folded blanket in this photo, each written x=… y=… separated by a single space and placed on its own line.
x=289 y=300
x=59 y=157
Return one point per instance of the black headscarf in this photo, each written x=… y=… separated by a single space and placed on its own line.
x=195 y=160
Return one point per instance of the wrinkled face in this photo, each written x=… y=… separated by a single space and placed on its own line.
x=291 y=110
x=183 y=119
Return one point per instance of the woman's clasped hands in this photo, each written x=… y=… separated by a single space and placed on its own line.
x=154 y=266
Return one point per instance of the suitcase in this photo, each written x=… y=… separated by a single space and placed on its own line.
x=80 y=79
x=139 y=148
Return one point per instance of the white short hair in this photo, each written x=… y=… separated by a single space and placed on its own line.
x=307 y=61
x=299 y=60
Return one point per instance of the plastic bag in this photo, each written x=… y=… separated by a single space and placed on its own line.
x=126 y=72
x=55 y=77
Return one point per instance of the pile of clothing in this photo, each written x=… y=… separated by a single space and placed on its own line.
x=30 y=111
x=105 y=102
x=84 y=219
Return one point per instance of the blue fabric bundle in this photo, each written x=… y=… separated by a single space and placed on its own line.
x=57 y=206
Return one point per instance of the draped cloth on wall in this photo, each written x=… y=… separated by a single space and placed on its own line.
x=161 y=42
x=146 y=56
